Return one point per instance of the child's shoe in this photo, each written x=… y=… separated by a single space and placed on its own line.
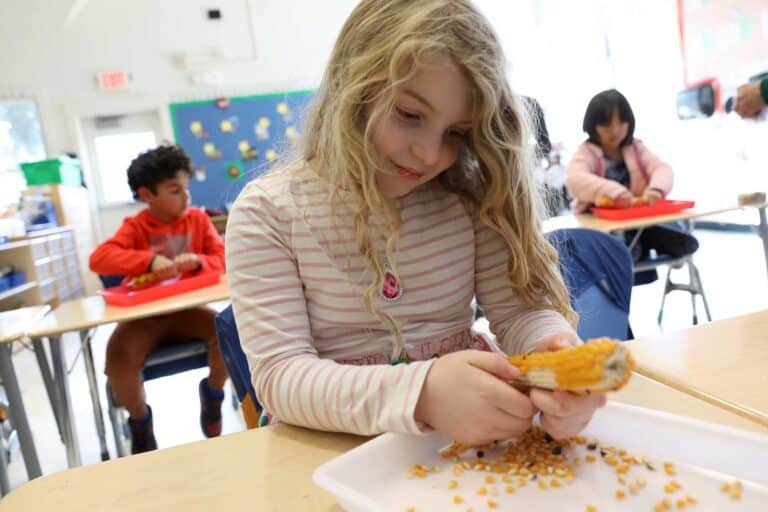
x=142 y=433
x=210 y=409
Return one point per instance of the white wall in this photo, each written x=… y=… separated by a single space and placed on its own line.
x=51 y=51
x=557 y=51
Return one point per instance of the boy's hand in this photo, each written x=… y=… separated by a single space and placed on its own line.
x=188 y=262
x=563 y=414
x=467 y=397
x=163 y=268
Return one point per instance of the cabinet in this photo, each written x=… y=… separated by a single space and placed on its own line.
x=50 y=261
x=73 y=210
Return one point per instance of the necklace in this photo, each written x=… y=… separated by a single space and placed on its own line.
x=391 y=289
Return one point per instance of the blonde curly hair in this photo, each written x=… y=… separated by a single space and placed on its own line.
x=381 y=46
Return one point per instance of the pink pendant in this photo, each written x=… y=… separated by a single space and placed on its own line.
x=391 y=289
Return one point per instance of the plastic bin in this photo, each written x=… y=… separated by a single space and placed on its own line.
x=123 y=295
x=665 y=207
x=56 y=171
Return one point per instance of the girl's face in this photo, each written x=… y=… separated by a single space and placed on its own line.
x=612 y=133
x=427 y=127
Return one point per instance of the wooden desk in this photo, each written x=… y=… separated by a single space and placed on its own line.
x=589 y=221
x=13 y=326
x=724 y=363
x=81 y=316
x=268 y=469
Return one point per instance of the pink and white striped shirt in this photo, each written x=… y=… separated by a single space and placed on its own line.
x=316 y=357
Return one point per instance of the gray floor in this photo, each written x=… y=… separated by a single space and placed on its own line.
x=732 y=268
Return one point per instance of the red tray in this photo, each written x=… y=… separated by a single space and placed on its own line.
x=123 y=295
x=664 y=207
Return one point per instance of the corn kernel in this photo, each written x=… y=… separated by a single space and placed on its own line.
x=458 y=499
x=453 y=484
x=620 y=495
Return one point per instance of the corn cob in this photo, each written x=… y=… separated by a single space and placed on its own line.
x=607 y=202
x=142 y=280
x=597 y=366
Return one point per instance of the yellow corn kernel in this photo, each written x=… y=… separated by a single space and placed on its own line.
x=510 y=489
x=453 y=484
x=458 y=500
x=490 y=479
x=620 y=495
x=482 y=491
x=591 y=508
x=492 y=504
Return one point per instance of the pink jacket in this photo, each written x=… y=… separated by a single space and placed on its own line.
x=585 y=180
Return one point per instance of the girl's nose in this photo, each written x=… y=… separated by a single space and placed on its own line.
x=426 y=150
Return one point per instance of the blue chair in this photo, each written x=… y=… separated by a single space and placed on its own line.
x=176 y=357
x=597 y=269
x=237 y=366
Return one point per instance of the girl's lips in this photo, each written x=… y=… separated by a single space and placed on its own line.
x=408 y=173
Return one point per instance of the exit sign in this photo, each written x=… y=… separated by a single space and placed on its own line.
x=113 y=80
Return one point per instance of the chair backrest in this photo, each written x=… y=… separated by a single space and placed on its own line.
x=111 y=280
x=237 y=366
x=597 y=269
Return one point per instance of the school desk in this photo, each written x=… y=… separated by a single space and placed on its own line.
x=82 y=315
x=13 y=326
x=266 y=469
x=724 y=363
x=701 y=209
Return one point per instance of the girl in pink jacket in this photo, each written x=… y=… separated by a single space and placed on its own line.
x=612 y=163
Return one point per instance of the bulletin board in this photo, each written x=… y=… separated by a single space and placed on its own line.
x=233 y=140
x=723 y=39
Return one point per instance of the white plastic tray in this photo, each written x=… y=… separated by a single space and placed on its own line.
x=373 y=476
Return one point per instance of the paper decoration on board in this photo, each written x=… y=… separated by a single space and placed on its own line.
x=247 y=152
x=271 y=155
x=291 y=133
x=284 y=110
x=196 y=127
x=228 y=125
x=234 y=170
x=222 y=103
x=210 y=150
x=262 y=128
x=200 y=173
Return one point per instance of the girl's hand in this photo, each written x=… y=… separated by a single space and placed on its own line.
x=652 y=196
x=163 y=268
x=188 y=262
x=466 y=396
x=624 y=200
x=563 y=414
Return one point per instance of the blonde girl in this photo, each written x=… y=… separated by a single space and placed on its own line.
x=412 y=196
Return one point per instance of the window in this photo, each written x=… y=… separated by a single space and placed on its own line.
x=114 y=154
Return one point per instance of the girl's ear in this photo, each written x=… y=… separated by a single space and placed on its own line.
x=145 y=194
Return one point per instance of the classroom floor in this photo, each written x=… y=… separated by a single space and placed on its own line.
x=732 y=269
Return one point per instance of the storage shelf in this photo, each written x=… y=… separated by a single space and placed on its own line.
x=17 y=290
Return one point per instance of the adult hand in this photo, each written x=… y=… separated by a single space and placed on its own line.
x=563 y=414
x=749 y=102
x=163 y=268
x=466 y=396
x=188 y=262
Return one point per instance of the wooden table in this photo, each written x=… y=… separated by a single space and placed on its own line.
x=13 y=326
x=267 y=469
x=724 y=363
x=82 y=315
x=702 y=209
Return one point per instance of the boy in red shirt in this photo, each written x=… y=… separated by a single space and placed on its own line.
x=166 y=238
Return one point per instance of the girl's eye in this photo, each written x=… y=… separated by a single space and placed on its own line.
x=458 y=134
x=405 y=114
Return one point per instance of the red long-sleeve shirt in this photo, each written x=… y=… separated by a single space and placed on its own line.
x=139 y=238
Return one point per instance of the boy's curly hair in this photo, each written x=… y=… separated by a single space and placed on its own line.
x=155 y=166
